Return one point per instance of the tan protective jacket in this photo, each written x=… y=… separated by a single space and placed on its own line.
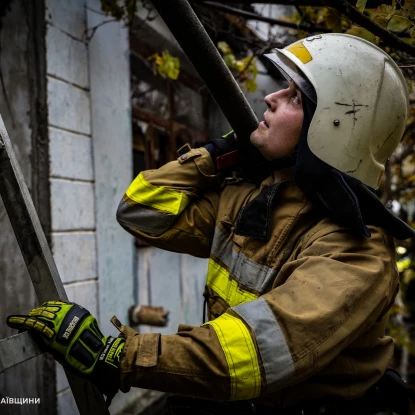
x=300 y=316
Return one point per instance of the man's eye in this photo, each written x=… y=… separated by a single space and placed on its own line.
x=296 y=99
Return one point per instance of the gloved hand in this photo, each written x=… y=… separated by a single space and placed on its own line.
x=224 y=151
x=72 y=335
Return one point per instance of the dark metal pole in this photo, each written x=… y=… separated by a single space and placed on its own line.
x=202 y=53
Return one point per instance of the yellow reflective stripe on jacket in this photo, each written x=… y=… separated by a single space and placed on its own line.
x=158 y=197
x=241 y=356
x=228 y=289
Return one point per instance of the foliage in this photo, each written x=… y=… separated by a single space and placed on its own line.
x=245 y=68
x=165 y=65
x=120 y=10
x=405 y=306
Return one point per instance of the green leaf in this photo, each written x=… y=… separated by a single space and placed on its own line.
x=360 y=32
x=224 y=48
x=361 y=5
x=251 y=85
x=383 y=14
x=332 y=20
x=399 y=23
x=165 y=65
x=229 y=60
x=409 y=7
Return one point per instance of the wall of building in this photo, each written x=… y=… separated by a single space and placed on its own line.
x=72 y=184
x=23 y=109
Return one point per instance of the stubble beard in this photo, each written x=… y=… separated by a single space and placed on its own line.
x=256 y=139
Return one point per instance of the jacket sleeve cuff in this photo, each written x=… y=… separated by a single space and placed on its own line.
x=140 y=350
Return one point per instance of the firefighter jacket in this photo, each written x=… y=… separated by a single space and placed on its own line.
x=297 y=304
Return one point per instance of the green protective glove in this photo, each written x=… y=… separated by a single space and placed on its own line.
x=73 y=337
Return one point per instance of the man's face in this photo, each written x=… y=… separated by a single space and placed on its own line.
x=279 y=133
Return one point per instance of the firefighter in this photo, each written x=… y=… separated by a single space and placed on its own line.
x=301 y=272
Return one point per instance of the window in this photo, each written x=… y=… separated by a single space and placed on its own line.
x=166 y=114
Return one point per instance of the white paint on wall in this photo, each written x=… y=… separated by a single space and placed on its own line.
x=72 y=205
x=69 y=107
x=75 y=255
x=67 y=16
x=67 y=57
x=70 y=155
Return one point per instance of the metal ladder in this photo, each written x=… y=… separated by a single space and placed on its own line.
x=42 y=270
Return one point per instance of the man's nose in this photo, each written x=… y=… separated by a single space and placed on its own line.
x=271 y=100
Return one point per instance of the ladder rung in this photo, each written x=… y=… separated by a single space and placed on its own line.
x=17 y=349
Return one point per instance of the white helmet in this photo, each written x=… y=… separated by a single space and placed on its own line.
x=361 y=96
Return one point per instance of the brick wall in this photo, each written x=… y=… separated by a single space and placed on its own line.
x=71 y=164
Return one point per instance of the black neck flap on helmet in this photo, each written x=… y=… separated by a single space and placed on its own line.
x=343 y=197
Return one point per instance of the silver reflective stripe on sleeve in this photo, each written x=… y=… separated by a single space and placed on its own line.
x=144 y=219
x=275 y=354
x=247 y=272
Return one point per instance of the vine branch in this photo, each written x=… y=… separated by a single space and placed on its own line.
x=255 y=16
x=387 y=37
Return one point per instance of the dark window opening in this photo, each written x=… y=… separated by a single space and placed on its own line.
x=166 y=114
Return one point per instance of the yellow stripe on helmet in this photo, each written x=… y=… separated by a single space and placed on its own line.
x=241 y=356
x=301 y=52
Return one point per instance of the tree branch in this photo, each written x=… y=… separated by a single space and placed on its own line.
x=256 y=16
x=387 y=37
x=399 y=159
